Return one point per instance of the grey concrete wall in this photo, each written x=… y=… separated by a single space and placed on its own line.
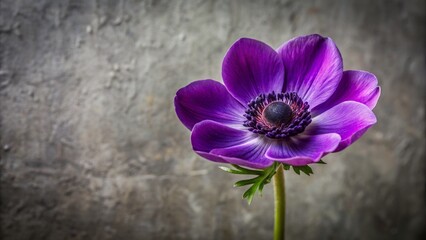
x=92 y=149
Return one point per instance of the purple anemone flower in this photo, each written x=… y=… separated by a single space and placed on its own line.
x=293 y=105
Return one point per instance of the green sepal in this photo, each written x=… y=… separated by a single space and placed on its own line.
x=240 y=170
x=263 y=177
x=229 y=170
x=245 y=182
x=305 y=169
x=297 y=169
x=248 y=171
x=257 y=183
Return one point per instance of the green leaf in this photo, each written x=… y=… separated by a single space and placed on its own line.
x=249 y=194
x=257 y=183
x=261 y=181
x=262 y=177
x=296 y=170
x=248 y=171
x=229 y=170
x=305 y=169
x=245 y=182
x=261 y=187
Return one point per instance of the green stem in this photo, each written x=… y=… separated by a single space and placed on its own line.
x=279 y=193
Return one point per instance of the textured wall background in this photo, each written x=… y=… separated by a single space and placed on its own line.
x=92 y=149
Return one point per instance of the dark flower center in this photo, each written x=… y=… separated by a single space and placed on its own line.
x=277 y=115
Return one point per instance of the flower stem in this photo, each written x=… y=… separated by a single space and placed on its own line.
x=279 y=193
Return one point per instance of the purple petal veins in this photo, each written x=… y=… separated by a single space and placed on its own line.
x=264 y=114
x=359 y=86
x=349 y=119
x=313 y=67
x=304 y=149
x=251 y=68
x=220 y=143
x=207 y=100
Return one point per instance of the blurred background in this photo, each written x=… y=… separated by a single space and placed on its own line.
x=91 y=147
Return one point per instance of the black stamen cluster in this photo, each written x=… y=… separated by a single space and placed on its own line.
x=256 y=122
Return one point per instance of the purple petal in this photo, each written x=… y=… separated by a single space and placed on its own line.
x=348 y=119
x=211 y=157
x=251 y=68
x=207 y=100
x=313 y=67
x=304 y=149
x=344 y=144
x=358 y=86
x=208 y=135
x=250 y=154
x=220 y=143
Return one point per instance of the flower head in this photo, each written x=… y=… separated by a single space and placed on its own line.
x=293 y=105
